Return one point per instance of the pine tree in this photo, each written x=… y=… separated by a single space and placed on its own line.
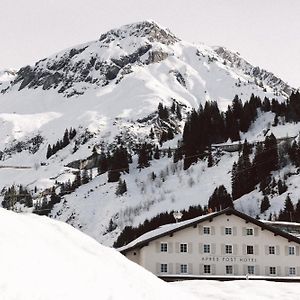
x=84 y=177
x=297 y=212
x=265 y=204
x=66 y=139
x=281 y=187
x=156 y=153
x=210 y=161
x=102 y=163
x=178 y=112
x=121 y=188
x=49 y=151
x=220 y=199
x=143 y=156
x=151 y=135
x=287 y=214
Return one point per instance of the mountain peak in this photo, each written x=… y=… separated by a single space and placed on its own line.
x=144 y=29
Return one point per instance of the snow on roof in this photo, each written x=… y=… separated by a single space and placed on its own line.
x=163 y=230
x=280 y=223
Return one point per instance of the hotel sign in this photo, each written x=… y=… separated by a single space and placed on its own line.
x=236 y=259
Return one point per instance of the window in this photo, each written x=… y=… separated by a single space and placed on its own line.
x=206 y=248
x=229 y=270
x=164 y=268
x=206 y=269
x=183 y=248
x=250 y=269
x=163 y=247
x=228 y=249
x=249 y=231
x=271 y=250
x=228 y=231
x=291 y=250
x=250 y=250
x=183 y=269
x=272 y=270
x=206 y=230
x=292 y=271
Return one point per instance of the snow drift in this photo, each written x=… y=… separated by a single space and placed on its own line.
x=45 y=259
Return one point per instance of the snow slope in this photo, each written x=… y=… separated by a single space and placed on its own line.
x=45 y=259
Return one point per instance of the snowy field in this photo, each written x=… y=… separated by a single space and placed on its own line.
x=43 y=259
x=241 y=290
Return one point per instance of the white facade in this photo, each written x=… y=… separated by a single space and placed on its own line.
x=222 y=244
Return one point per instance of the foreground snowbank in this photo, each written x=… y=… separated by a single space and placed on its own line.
x=241 y=290
x=42 y=259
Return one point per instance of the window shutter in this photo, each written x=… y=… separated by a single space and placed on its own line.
x=245 y=269
x=286 y=271
x=234 y=231
x=177 y=247
x=213 y=269
x=200 y=229
x=200 y=248
x=244 y=231
x=234 y=250
x=298 y=271
x=267 y=270
x=256 y=250
x=277 y=250
x=256 y=270
x=222 y=230
x=170 y=247
x=177 y=268
x=244 y=249
x=235 y=269
x=256 y=231
x=297 y=250
x=170 y=268
x=157 y=246
x=278 y=271
x=190 y=247
x=222 y=248
x=157 y=268
x=286 y=250
x=267 y=250
x=213 y=248
x=201 y=269
x=190 y=268
x=212 y=230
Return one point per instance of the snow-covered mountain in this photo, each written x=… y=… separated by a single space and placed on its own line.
x=109 y=90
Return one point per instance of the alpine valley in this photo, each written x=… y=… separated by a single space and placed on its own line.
x=140 y=123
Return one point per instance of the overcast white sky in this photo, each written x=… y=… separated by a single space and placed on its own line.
x=266 y=32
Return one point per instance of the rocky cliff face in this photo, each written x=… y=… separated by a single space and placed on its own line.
x=73 y=71
x=262 y=76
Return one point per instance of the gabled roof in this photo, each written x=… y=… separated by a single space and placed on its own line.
x=171 y=228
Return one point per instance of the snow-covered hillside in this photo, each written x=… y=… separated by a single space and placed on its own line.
x=45 y=259
x=109 y=91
